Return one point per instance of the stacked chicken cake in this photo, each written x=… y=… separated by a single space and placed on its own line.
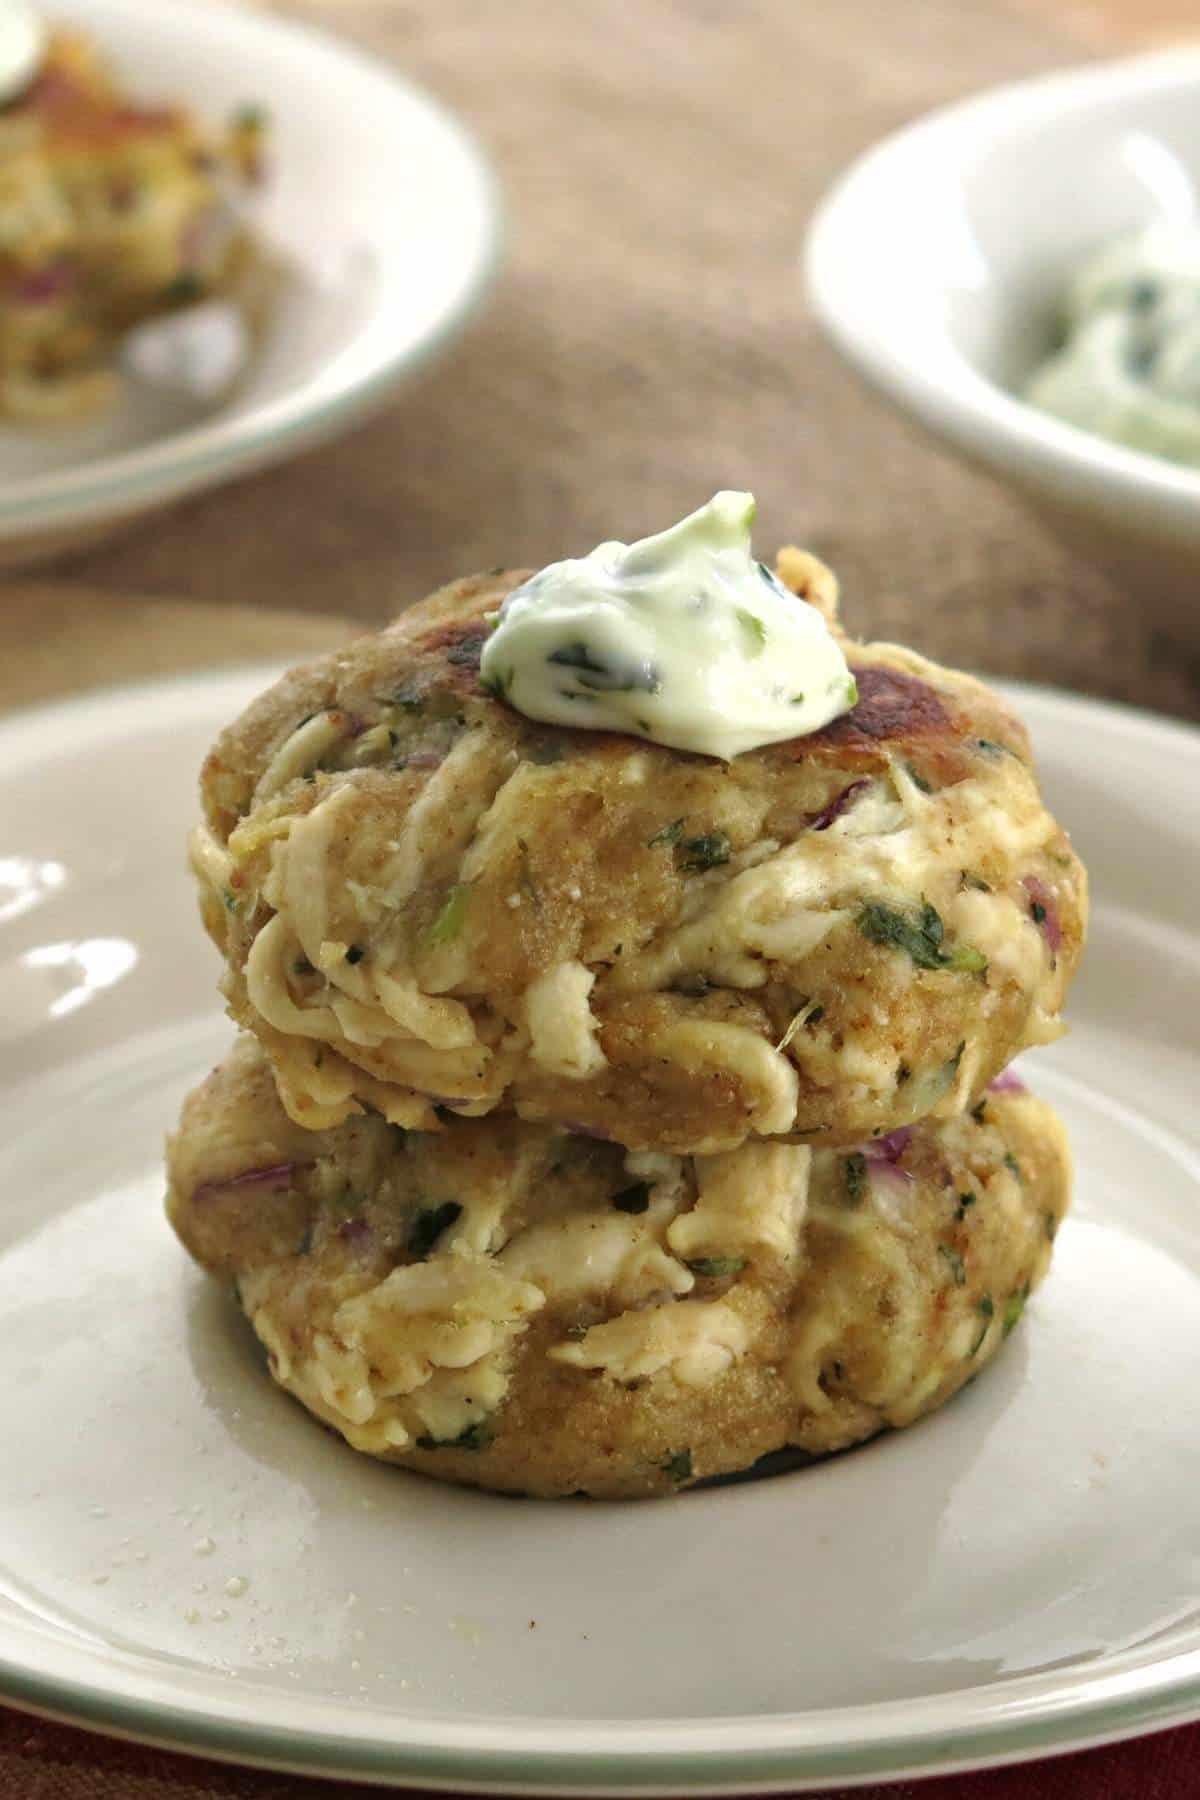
x=607 y=1116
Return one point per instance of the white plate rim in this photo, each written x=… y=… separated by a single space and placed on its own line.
x=1036 y=1715
x=927 y=375
x=216 y=450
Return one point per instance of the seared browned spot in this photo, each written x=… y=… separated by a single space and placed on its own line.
x=460 y=642
x=890 y=705
x=894 y=712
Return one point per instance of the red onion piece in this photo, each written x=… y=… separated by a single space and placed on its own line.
x=42 y=286
x=890 y=1177
x=890 y=1148
x=823 y=820
x=357 y=1233
x=1050 y=923
x=424 y=759
x=277 y=1175
x=1007 y=1083
x=587 y=1131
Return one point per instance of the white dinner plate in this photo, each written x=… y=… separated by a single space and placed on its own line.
x=186 y=1557
x=378 y=210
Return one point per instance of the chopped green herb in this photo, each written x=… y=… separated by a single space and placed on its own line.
x=1011 y=1163
x=717 y=1265
x=355 y=954
x=544 y=754
x=577 y=1333
x=990 y=747
x=1037 y=912
x=885 y=926
x=1015 y=1307
x=183 y=289
x=450 y=919
x=958 y=1267
x=428 y=1227
x=986 y=1308
x=635 y=1199
x=498 y=684
x=797 y=699
x=678 y=1465
x=917 y=779
x=229 y=899
x=851 y=692
x=476 y=1437
x=977 y=882
x=964 y=1202
x=595 y=675
x=250 y=118
x=670 y=834
x=854 y=1167
x=706 y=852
x=406 y=699
x=753 y=629
x=921 y=939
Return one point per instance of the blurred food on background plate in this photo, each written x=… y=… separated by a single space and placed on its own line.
x=123 y=247
x=1128 y=365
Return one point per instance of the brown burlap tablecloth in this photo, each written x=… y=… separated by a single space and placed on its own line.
x=646 y=343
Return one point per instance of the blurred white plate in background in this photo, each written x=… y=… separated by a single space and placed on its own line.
x=380 y=209
x=1019 y=1573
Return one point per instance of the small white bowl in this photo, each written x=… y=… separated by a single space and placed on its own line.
x=936 y=262
x=380 y=210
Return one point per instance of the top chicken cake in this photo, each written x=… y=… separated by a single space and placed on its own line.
x=430 y=904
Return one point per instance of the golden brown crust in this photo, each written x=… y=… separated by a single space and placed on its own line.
x=856 y=1290
x=546 y=849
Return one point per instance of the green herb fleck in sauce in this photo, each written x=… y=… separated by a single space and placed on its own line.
x=754 y=630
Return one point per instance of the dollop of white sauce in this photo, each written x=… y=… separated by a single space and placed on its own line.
x=1129 y=366
x=22 y=46
x=681 y=638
